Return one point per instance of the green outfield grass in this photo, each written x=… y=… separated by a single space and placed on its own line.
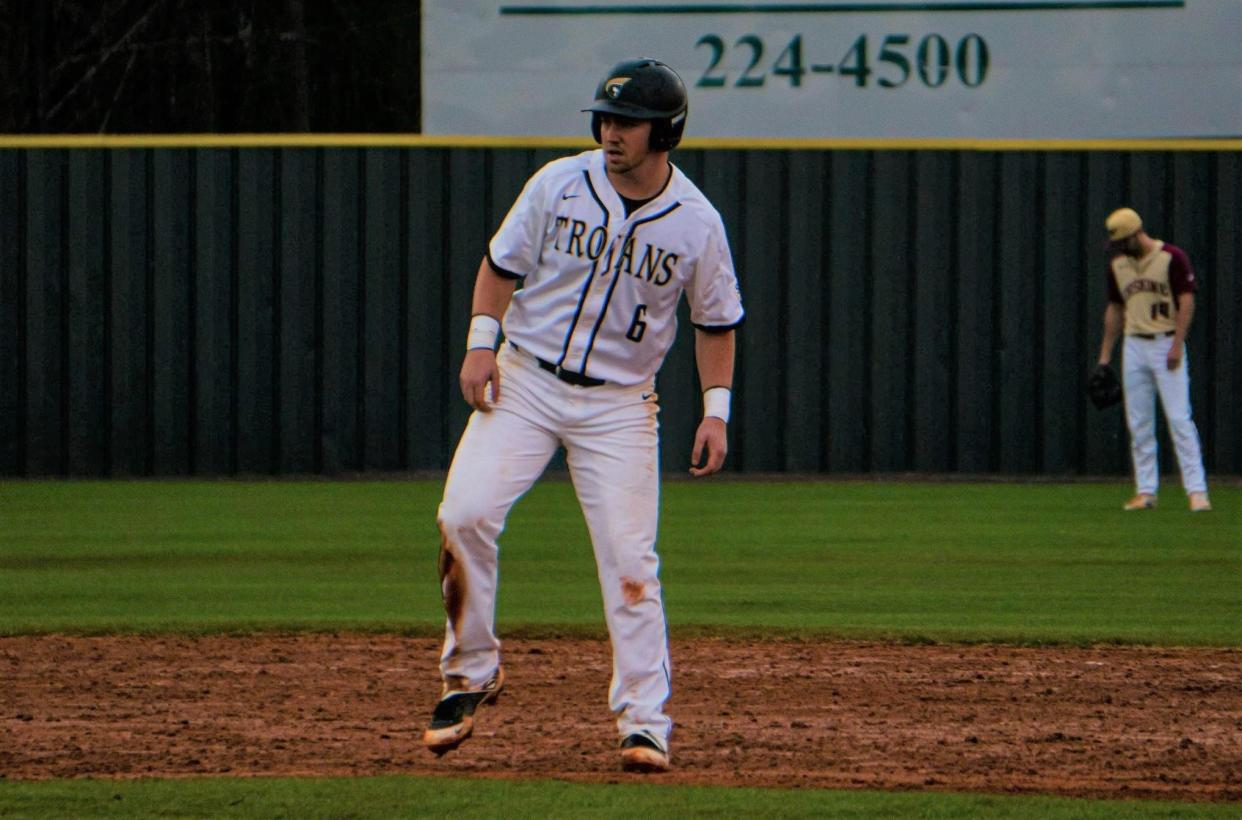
x=383 y=797
x=1030 y=563
x=904 y=561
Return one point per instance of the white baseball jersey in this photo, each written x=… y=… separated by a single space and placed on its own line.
x=601 y=289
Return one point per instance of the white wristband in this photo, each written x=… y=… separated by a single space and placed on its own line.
x=716 y=403
x=483 y=332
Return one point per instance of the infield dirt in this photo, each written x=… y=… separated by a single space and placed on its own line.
x=1117 y=722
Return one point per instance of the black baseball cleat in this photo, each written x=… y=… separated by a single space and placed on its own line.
x=453 y=719
x=641 y=753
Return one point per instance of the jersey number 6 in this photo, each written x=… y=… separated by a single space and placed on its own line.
x=637 y=327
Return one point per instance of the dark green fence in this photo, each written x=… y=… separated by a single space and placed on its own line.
x=168 y=311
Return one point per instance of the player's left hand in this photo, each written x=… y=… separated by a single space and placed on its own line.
x=712 y=437
x=1174 y=359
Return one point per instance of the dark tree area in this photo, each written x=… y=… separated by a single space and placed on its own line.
x=228 y=66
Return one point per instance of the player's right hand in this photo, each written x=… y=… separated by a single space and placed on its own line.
x=480 y=379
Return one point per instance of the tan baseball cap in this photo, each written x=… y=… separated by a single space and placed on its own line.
x=1123 y=223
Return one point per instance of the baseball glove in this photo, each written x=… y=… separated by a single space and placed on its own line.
x=1103 y=387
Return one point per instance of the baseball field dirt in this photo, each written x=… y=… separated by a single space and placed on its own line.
x=1108 y=721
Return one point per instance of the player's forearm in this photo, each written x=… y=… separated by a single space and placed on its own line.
x=492 y=292
x=713 y=353
x=1185 y=314
x=1112 y=329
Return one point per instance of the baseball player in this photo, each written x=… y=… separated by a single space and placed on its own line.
x=1151 y=297
x=605 y=243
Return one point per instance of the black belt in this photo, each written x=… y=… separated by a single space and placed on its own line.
x=567 y=376
x=1152 y=335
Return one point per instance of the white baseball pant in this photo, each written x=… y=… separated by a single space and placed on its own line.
x=1144 y=375
x=611 y=438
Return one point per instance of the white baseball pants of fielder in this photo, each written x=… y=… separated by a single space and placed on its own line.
x=1144 y=375
x=611 y=439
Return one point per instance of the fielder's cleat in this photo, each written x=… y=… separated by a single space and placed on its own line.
x=1199 y=502
x=453 y=719
x=1142 y=501
x=641 y=753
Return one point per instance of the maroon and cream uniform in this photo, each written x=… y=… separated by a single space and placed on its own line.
x=1149 y=287
x=1148 y=290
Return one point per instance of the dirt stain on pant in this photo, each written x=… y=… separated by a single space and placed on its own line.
x=632 y=590
x=452 y=581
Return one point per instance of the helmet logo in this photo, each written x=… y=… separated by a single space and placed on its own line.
x=613 y=87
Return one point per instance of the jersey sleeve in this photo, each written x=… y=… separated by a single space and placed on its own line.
x=1181 y=275
x=514 y=249
x=714 y=297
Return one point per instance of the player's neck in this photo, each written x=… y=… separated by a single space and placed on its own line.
x=1147 y=245
x=644 y=180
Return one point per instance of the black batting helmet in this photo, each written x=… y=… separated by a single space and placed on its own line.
x=643 y=89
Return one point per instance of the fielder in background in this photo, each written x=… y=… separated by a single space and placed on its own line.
x=605 y=244
x=1151 y=298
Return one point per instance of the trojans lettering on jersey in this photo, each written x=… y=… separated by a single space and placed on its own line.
x=656 y=265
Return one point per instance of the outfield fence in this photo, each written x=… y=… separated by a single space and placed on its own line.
x=236 y=308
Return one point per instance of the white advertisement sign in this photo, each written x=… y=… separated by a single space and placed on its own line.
x=969 y=69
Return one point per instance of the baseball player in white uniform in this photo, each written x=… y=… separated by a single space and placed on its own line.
x=605 y=243
x=1151 y=298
